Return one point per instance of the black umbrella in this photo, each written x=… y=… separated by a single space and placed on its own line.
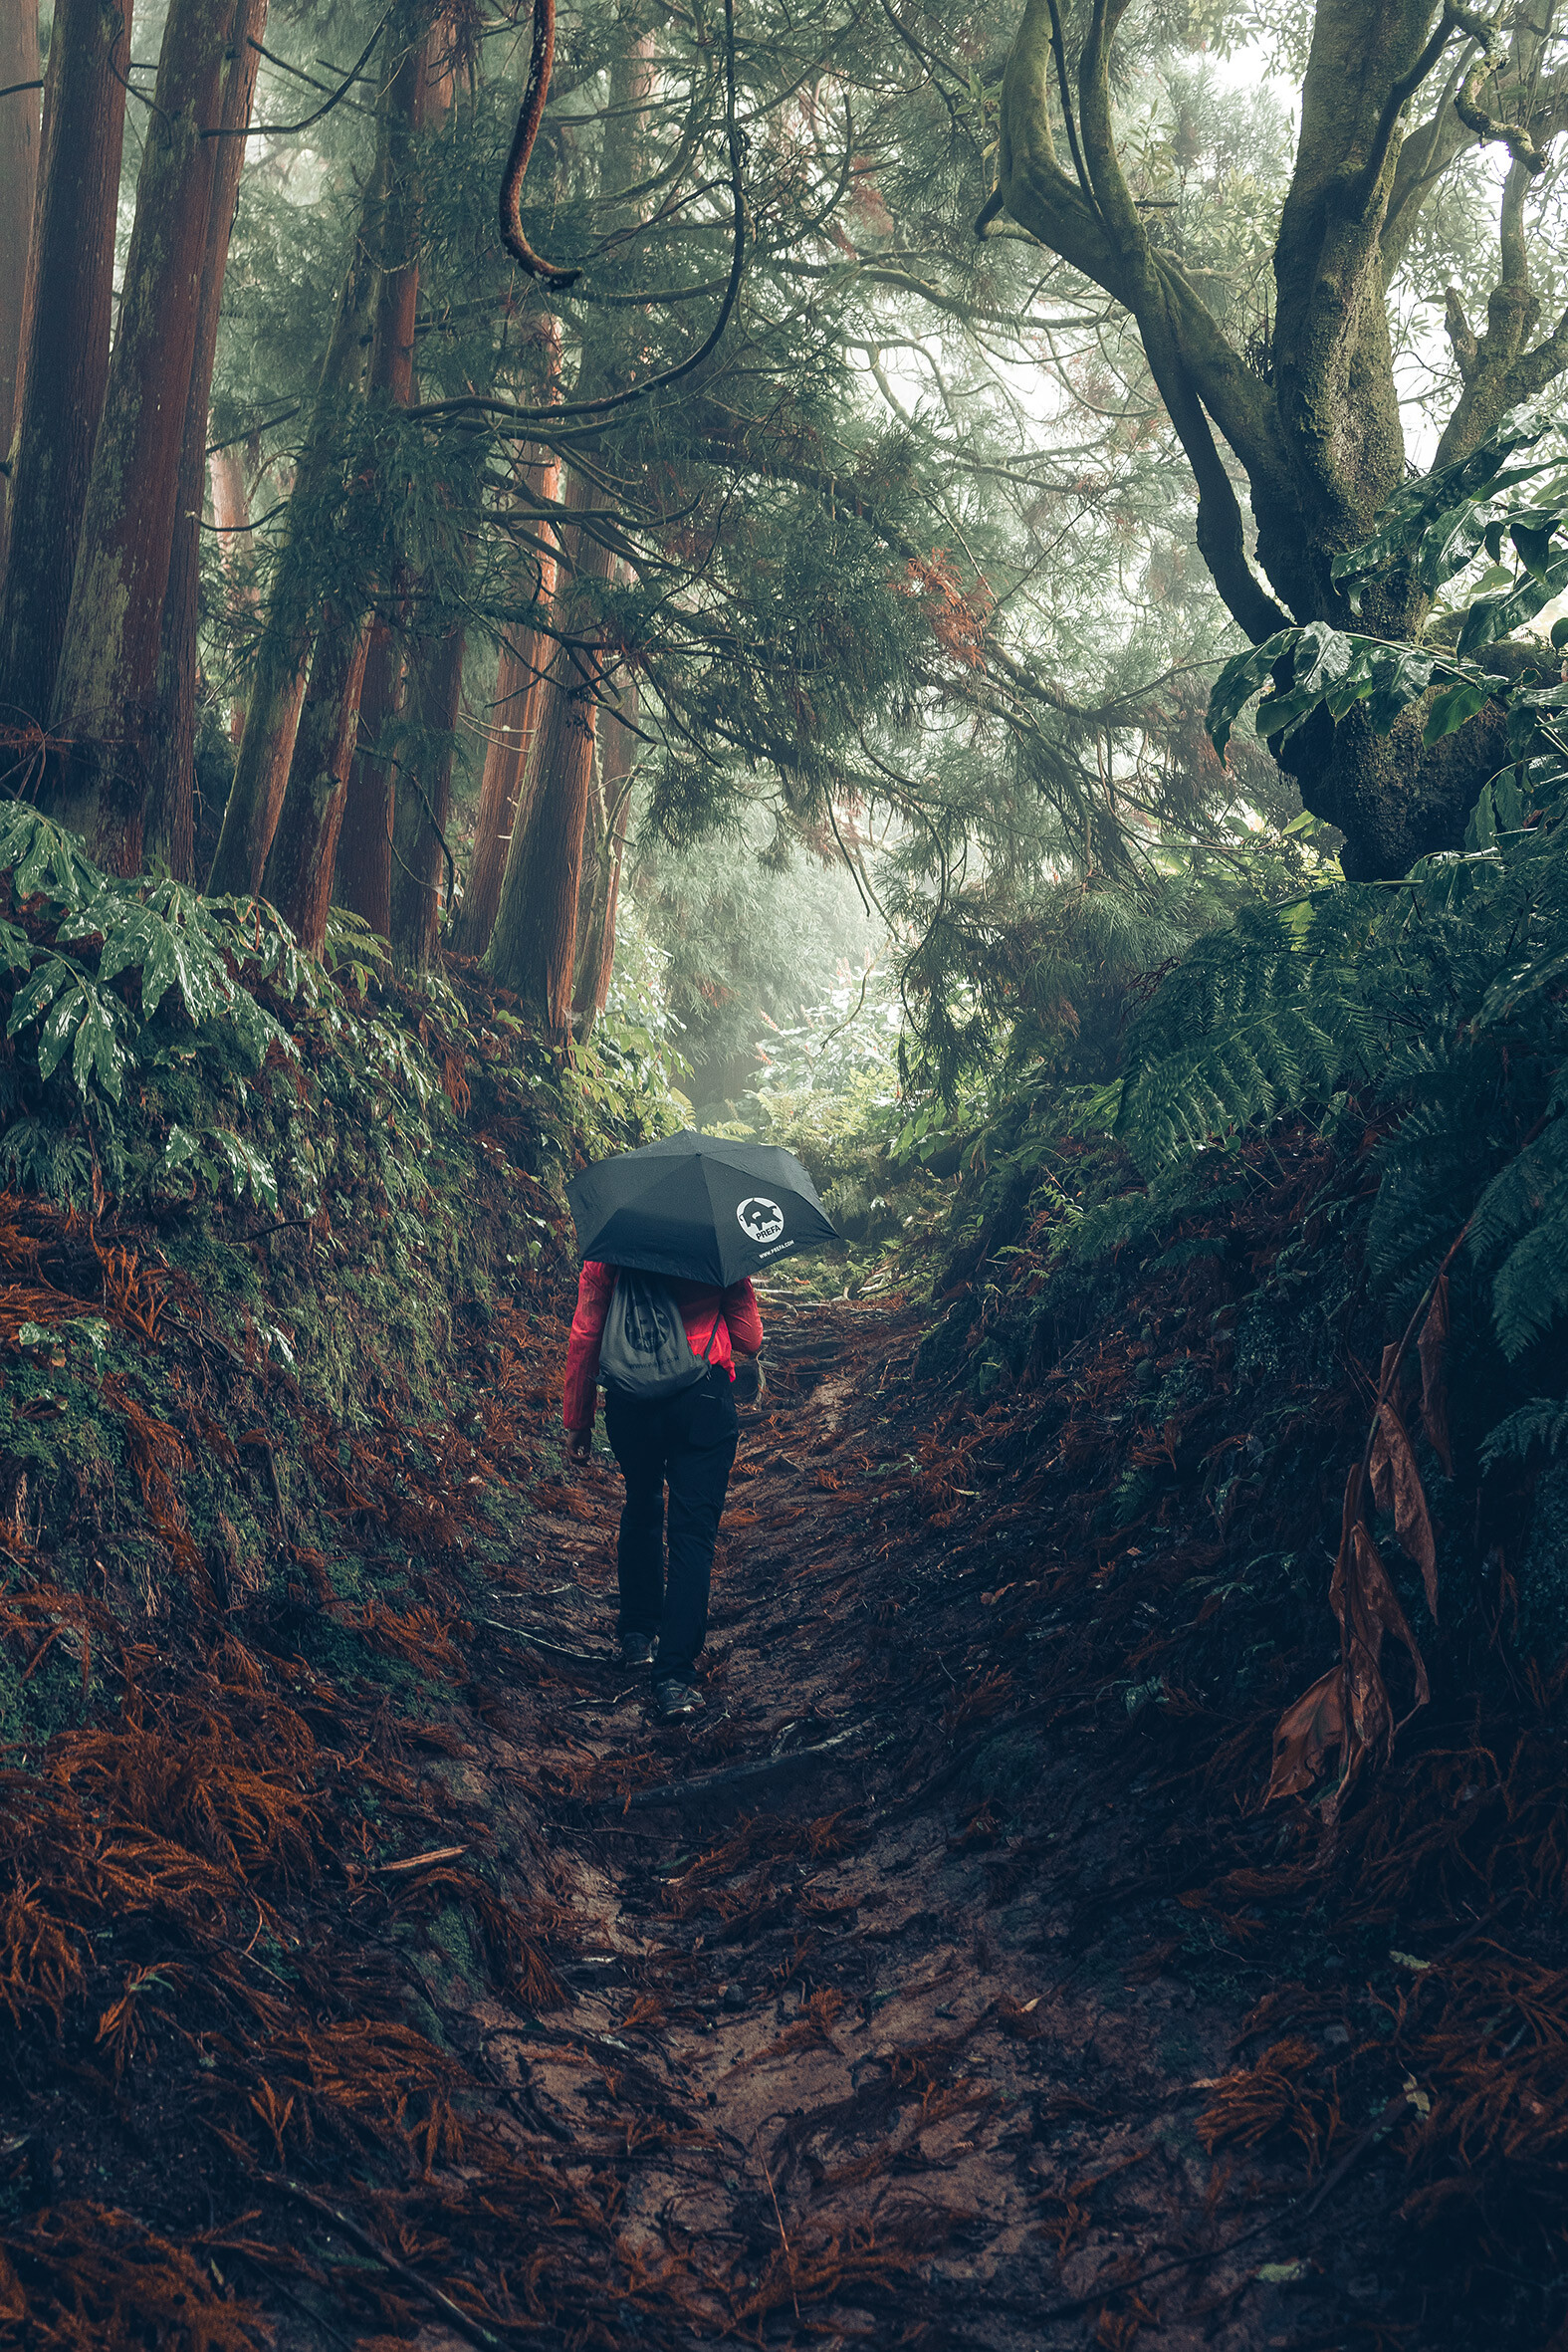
x=699 y=1207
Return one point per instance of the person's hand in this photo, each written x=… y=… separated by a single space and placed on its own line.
x=579 y=1443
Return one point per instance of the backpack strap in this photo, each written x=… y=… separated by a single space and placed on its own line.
x=707 y=1353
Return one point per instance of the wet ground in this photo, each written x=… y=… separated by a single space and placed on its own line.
x=852 y=2047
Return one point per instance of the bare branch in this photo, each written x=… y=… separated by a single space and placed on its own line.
x=531 y=114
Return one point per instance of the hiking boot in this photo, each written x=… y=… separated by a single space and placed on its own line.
x=636 y=1649
x=672 y=1700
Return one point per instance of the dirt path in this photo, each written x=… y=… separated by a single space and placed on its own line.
x=849 y=2047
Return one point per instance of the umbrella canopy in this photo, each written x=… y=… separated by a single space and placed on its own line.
x=698 y=1207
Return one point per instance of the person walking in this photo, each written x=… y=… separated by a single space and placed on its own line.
x=686 y=1442
x=669 y=1236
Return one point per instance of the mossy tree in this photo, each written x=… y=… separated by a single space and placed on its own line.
x=1392 y=92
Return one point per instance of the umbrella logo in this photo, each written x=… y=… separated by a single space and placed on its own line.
x=760 y=1220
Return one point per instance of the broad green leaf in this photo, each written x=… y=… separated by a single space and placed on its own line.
x=97 y=1052
x=44 y=857
x=41 y=990
x=1244 y=676
x=1491 y=618
x=249 y=1170
x=180 y=1150
x=1456 y=705
x=54 y=1036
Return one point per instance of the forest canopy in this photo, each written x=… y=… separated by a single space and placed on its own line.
x=467 y=463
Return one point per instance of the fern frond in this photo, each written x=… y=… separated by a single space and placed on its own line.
x=1541 y=1422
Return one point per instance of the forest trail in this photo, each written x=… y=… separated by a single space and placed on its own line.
x=851 y=2048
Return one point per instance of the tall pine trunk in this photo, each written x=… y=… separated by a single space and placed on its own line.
x=422 y=798
x=106 y=688
x=231 y=512
x=283 y=655
x=331 y=714
x=171 y=815
x=298 y=877
x=533 y=947
x=21 y=117
x=64 y=342
x=515 y=717
x=365 y=849
x=603 y=845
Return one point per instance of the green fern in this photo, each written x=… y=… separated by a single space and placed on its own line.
x=1541 y=1422
x=1442 y=994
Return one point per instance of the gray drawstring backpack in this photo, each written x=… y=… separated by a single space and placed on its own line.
x=644 y=1354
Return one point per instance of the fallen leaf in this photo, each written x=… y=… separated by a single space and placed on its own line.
x=1397 y=1487
x=1283 y=2273
x=1408 y=1960
x=1304 y=1734
x=1363 y=1598
x=1433 y=1348
x=1367 y=1608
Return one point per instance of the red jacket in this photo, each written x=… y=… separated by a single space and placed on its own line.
x=706 y=1312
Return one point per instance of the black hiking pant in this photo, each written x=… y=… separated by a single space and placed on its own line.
x=689 y=1442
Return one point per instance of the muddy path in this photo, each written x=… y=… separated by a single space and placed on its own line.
x=854 y=2037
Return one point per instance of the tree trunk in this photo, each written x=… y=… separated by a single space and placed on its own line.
x=21 y=116
x=515 y=717
x=364 y=851
x=534 y=948
x=172 y=833
x=298 y=878
x=106 y=687
x=1318 y=432
x=600 y=896
x=64 y=342
x=282 y=656
x=505 y=749
x=231 y=512
x=423 y=797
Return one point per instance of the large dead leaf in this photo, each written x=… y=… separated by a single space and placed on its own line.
x=1367 y=1608
x=1305 y=1733
x=1364 y=1600
x=1433 y=1348
x=1397 y=1487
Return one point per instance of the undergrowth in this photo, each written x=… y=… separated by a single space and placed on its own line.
x=1257 y=1360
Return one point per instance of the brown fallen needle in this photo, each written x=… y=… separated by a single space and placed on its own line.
x=782 y=2237
x=418 y=1861
x=472 y=2328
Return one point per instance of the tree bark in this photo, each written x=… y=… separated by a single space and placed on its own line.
x=21 y=118
x=604 y=846
x=231 y=512
x=363 y=880
x=282 y=664
x=1319 y=438
x=513 y=728
x=422 y=798
x=533 y=947
x=64 y=362
x=106 y=687
x=171 y=831
x=298 y=878
x=365 y=849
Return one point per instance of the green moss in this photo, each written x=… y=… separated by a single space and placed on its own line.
x=449 y=1933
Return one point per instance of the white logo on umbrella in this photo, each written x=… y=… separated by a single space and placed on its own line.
x=760 y=1220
